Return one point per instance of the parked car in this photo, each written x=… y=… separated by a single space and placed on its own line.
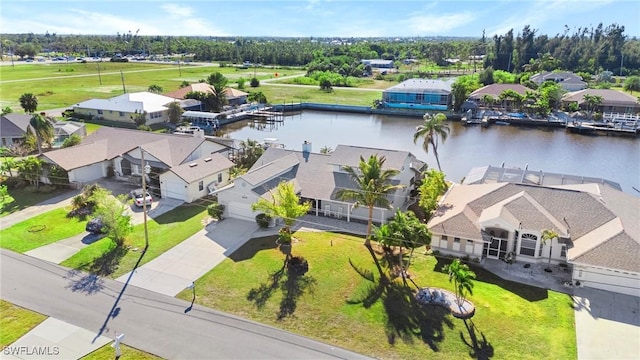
x=95 y=226
x=139 y=195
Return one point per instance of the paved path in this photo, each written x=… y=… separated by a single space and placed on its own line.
x=55 y=339
x=607 y=325
x=183 y=264
x=152 y=322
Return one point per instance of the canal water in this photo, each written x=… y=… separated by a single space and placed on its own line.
x=550 y=150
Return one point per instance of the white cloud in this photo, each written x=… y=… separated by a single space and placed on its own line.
x=178 y=10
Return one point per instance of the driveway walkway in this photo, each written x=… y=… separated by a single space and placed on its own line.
x=55 y=339
x=607 y=325
x=177 y=268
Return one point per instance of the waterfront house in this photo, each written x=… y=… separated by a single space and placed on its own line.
x=598 y=227
x=566 y=79
x=419 y=94
x=317 y=178
x=234 y=97
x=613 y=101
x=494 y=91
x=121 y=109
x=117 y=153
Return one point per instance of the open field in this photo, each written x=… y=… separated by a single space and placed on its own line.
x=382 y=320
x=59 y=85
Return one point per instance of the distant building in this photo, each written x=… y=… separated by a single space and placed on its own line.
x=566 y=79
x=420 y=94
x=613 y=101
x=122 y=108
x=378 y=63
x=234 y=97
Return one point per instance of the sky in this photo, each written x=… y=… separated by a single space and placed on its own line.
x=314 y=18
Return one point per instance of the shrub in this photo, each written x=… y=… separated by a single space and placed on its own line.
x=263 y=220
x=215 y=210
x=297 y=265
x=254 y=82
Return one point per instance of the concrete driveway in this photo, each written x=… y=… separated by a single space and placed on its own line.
x=607 y=325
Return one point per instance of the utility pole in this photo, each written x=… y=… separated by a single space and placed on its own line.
x=124 y=89
x=144 y=199
x=99 y=76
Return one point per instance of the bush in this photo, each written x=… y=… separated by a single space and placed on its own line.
x=297 y=265
x=263 y=220
x=215 y=210
x=255 y=82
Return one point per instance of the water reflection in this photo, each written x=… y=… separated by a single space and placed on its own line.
x=551 y=150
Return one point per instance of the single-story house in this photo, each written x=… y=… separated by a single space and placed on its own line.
x=378 y=63
x=566 y=79
x=117 y=153
x=234 y=96
x=317 y=178
x=613 y=101
x=495 y=90
x=422 y=94
x=13 y=128
x=598 y=228
x=123 y=107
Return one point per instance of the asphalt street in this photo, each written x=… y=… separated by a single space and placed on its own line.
x=152 y=322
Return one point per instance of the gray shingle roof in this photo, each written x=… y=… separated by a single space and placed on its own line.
x=14 y=125
x=345 y=155
x=201 y=168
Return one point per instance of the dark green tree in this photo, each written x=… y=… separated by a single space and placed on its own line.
x=29 y=103
x=432 y=131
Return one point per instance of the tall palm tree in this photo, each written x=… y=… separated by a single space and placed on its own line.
x=29 y=103
x=462 y=277
x=547 y=237
x=373 y=185
x=432 y=131
x=42 y=128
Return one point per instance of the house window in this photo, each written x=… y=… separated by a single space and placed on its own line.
x=528 y=244
x=563 y=251
x=469 y=242
x=121 y=114
x=219 y=178
x=201 y=186
x=444 y=237
x=456 y=240
x=99 y=112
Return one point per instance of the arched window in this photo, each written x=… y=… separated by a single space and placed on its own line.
x=528 y=244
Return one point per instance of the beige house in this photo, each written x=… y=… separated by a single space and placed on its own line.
x=598 y=227
x=122 y=108
x=613 y=101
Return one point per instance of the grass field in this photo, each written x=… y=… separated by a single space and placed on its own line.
x=20 y=199
x=40 y=230
x=129 y=353
x=15 y=322
x=512 y=321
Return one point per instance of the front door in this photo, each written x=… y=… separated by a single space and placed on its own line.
x=497 y=248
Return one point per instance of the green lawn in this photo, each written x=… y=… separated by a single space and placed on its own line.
x=165 y=232
x=20 y=199
x=15 y=322
x=41 y=230
x=129 y=353
x=296 y=94
x=512 y=321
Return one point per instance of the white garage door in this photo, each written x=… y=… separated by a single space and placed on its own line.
x=174 y=190
x=241 y=211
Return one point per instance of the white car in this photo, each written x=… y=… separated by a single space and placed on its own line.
x=139 y=195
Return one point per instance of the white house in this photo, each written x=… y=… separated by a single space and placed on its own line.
x=566 y=79
x=317 y=178
x=121 y=108
x=196 y=179
x=598 y=227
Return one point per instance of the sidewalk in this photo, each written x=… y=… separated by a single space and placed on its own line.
x=183 y=264
x=55 y=339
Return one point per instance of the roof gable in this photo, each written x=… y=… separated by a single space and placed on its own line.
x=201 y=168
x=14 y=125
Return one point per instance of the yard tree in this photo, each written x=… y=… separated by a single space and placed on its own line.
x=4 y=192
x=432 y=187
x=373 y=184
x=593 y=101
x=156 y=89
x=175 y=112
x=547 y=237
x=112 y=211
x=7 y=165
x=462 y=278
x=6 y=110
x=431 y=131
x=42 y=128
x=219 y=98
x=284 y=204
x=139 y=118
x=72 y=140
x=29 y=103
x=462 y=88
x=404 y=230
x=632 y=84
x=30 y=169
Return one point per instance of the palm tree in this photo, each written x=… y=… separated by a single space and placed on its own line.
x=29 y=103
x=286 y=205
x=547 y=237
x=374 y=184
x=431 y=131
x=42 y=128
x=462 y=277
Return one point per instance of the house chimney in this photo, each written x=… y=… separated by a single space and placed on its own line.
x=306 y=150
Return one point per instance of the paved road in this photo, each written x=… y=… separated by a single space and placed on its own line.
x=152 y=322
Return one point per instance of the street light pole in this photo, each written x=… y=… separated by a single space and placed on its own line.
x=144 y=198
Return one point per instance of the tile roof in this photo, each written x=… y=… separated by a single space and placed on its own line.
x=495 y=90
x=598 y=218
x=345 y=155
x=199 y=87
x=201 y=168
x=610 y=97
